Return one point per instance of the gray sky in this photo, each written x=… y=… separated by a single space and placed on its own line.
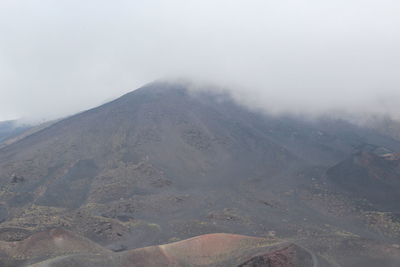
x=308 y=56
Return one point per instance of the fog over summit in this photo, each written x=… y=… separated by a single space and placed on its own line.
x=312 y=57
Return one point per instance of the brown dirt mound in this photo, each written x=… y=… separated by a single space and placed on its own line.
x=205 y=250
x=47 y=244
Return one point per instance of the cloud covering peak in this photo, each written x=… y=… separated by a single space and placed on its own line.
x=307 y=56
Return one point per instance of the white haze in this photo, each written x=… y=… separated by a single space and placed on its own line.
x=304 y=56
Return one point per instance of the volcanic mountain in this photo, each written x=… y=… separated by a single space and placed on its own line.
x=164 y=163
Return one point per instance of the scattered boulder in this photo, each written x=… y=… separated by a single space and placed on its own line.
x=15 y=179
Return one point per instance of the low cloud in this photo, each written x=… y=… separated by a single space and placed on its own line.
x=307 y=56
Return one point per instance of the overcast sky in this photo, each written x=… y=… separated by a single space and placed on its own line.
x=312 y=56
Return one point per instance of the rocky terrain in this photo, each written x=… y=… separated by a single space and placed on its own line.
x=163 y=164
